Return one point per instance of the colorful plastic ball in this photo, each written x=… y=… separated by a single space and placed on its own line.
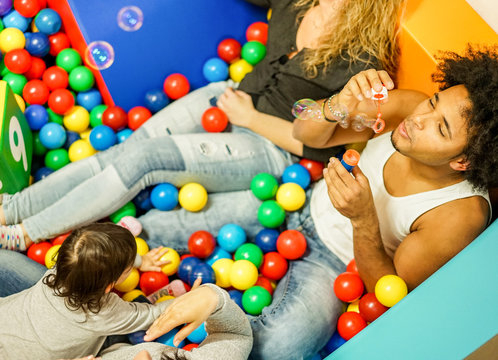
x=17 y=61
x=201 y=244
x=222 y=269
x=264 y=283
x=253 y=52
x=142 y=200
x=51 y=256
x=230 y=237
x=16 y=82
x=351 y=267
x=48 y=21
x=390 y=289
x=55 y=78
x=255 y=299
x=68 y=59
x=203 y=271
x=11 y=39
x=214 y=120
x=89 y=99
x=189 y=347
x=132 y=295
x=298 y=174
x=164 y=298
x=81 y=78
x=370 y=308
x=151 y=281
x=354 y=306
x=38 y=148
x=217 y=254
x=27 y=8
x=239 y=69
x=37 y=44
x=58 y=240
x=266 y=240
x=137 y=116
x=136 y=337
x=5 y=7
x=164 y=197
x=291 y=196
x=35 y=92
x=167 y=339
x=80 y=150
x=315 y=168
x=229 y=50
x=127 y=209
x=42 y=173
x=58 y=42
x=61 y=101
x=257 y=31
x=334 y=342
x=215 y=69
x=130 y=282
x=142 y=247
x=96 y=114
x=250 y=252
x=243 y=274
x=36 y=70
x=77 y=119
x=174 y=259
x=349 y=324
x=37 y=116
x=102 y=137
x=176 y=86
x=348 y=287
x=198 y=335
x=52 y=136
x=124 y=134
x=192 y=197
x=37 y=251
x=291 y=244
x=186 y=266
x=264 y=186
x=155 y=100
x=274 y=266
x=15 y=20
x=271 y=214
x=236 y=296
x=115 y=117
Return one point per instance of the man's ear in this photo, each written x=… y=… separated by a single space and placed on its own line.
x=460 y=164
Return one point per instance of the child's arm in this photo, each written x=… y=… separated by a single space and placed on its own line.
x=152 y=260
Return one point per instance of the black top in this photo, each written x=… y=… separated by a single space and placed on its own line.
x=277 y=82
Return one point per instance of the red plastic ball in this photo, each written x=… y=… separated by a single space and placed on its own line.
x=58 y=42
x=264 y=283
x=56 y=78
x=189 y=347
x=185 y=256
x=176 y=86
x=35 y=92
x=37 y=251
x=214 y=120
x=137 y=116
x=18 y=61
x=348 y=287
x=60 y=101
x=36 y=70
x=370 y=308
x=58 y=240
x=349 y=324
x=315 y=168
x=201 y=244
x=115 y=117
x=229 y=50
x=27 y=8
x=257 y=31
x=274 y=266
x=151 y=281
x=352 y=267
x=43 y=4
x=291 y=244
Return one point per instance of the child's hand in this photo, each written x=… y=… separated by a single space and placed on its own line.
x=151 y=261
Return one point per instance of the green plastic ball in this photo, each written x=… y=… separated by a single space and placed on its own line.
x=38 y=148
x=271 y=214
x=56 y=159
x=16 y=82
x=255 y=299
x=3 y=69
x=2 y=26
x=81 y=79
x=264 y=186
x=250 y=252
x=96 y=115
x=53 y=117
x=253 y=52
x=128 y=209
x=68 y=59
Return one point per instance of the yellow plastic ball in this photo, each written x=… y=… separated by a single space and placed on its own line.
x=390 y=289
x=174 y=258
x=222 y=268
x=85 y=135
x=132 y=295
x=142 y=247
x=192 y=197
x=51 y=256
x=20 y=102
x=77 y=119
x=130 y=282
x=33 y=27
x=239 y=69
x=243 y=274
x=268 y=15
x=291 y=196
x=11 y=39
x=354 y=306
x=164 y=298
x=79 y=150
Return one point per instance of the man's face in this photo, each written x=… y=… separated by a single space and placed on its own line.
x=436 y=132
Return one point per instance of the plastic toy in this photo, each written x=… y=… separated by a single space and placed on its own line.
x=298 y=174
x=192 y=197
x=151 y=281
x=51 y=256
x=348 y=287
x=274 y=266
x=186 y=266
x=266 y=240
x=390 y=289
x=201 y=244
x=79 y=150
x=230 y=237
x=255 y=299
x=115 y=117
x=176 y=85
x=215 y=69
x=102 y=137
x=264 y=186
x=291 y=196
x=350 y=324
x=229 y=50
x=271 y=214
x=164 y=196
x=203 y=271
x=350 y=159
x=137 y=116
x=370 y=308
x=291 y=244
x=243 y=274
x=37 y=251
x=250 y=252
x=172 y=256
x=60 y=101
x=55 y=78
x=257 y=31
x=214 y=120
x=222 y=268
x=77 y=119
x=315 y=168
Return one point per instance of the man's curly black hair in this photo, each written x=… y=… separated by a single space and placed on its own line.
x=477 y=70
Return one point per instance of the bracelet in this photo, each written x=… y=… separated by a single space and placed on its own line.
x=337 y=114
x=325 y=116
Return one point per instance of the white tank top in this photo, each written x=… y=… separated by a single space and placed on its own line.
x=396 y=214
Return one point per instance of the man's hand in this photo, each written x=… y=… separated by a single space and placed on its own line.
x=151 y=261
x=238 y=106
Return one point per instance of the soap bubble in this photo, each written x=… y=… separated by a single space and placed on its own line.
x=130 y=18
x=307 y=109
x=99 y=55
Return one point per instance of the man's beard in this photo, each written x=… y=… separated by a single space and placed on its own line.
x=393 y=143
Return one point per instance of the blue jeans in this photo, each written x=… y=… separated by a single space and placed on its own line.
x=18 y=272
x=170 y=147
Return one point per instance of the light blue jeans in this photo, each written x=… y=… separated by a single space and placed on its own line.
x=170 y=147
x=18 y=272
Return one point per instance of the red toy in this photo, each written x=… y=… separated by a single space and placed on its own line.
x=137 y=116
x=229 y=50
x=189 y=347
x=348 y=287
x=274 y=266
x=257 y=31
x=55 y=78
x=176 y=86
x=27 y=8
x=38 y=251
x=352 y=267
x=115 y=117
x=151 y=281
x=370 y=308
x=17 y=61
x=349 y=324
x=36 y=70
x=201 y=244
x=60 y=101
x=58 y=240
x=315 y=168
x=214 y=120
x=58 y=42
x=35 y=92
x=264 y=283
x=291 y=244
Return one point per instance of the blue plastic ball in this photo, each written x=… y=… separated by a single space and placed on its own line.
x=42 y=173
x=48 y=21
x=198 y=335
x=334 y=342
x=5 y=6
x=37 y=44
x=16 y=20
x=186 y=266
x=37 y=116
x=155 y=100
x=164 y=196
x=71 y=137
x=102 y=137
x=215 y=69
x=217 y=254
x=124 y=134
x=89 y=99
x=167 y=339
x=137 y=337
x=236 y=296
x=52 y=135
x=266 y=240
x=230 y=237
x=297 y=173
x=142 y=200
x=203 y=271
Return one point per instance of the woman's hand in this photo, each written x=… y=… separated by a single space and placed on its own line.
x=151 y=261
x=238 y=106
